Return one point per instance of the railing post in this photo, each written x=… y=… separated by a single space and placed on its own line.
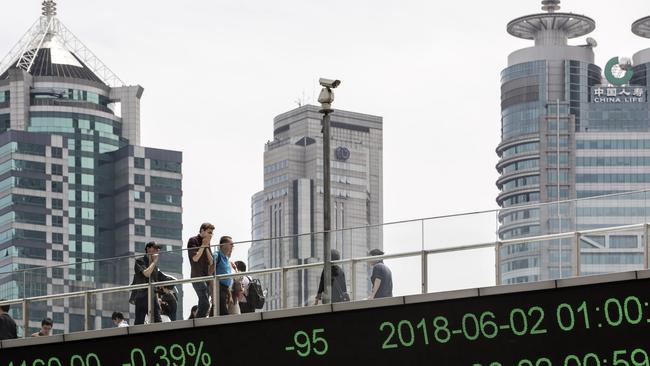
x=283 y=288
x=25 y=317
x=497 y=262
x=150 y=303
x=353 y=280
x=425 y=272
x=215 y=296
x=87 y=298
x=646 y=241
x=576 y=267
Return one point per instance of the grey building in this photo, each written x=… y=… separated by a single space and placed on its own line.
x=75 y=184
x=292 y=199
x=571 y=130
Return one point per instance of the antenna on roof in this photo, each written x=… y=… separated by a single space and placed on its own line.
x=551 y=6
x=49 y=8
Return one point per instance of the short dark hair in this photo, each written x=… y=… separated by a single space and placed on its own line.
x=117 y=316
x=152 y=244
x=47 y=321
x=225 y=239
x=206 y=226
x=241 y=266
x=335 y=254
x=5 y=308
x=375 y=251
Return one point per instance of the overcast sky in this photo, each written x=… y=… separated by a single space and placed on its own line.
x=216 y=72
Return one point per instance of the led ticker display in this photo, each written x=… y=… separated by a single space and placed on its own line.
x=595 y=325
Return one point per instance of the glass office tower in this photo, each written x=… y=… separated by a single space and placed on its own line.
x=292 y=200
x=568 y=131
x=75 y=185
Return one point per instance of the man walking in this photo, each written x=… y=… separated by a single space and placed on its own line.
x=146 y=271
x=381 y=278
x=201 y=262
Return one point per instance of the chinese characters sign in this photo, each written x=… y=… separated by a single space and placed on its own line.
x=620 y=94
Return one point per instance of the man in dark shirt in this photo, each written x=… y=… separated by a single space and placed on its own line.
x=146 y=270
x=201 y=262
x=7 y=325
x=381 y=278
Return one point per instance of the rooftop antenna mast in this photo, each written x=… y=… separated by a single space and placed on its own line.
x=45 y=29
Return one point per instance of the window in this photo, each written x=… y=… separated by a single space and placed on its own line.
x=138 y=179
x=139 y=246
x=165 y=216
x=166 y=232
x=57 y=204
x=30 y=183
x=57 y=169
x=160 y=182
x=57 y=272
x=29 y=166
x=30 y=149
x=57 y=152
x=166 y=166
x=57 y=238
x=29 y=200
x=57 y=255
x=30 y=235
x=138 y=163
x=30 y=218
x=57 y=221
x=138 y=196
x=166 y=199
x=57 y=186
x=139 y=213
x=140 y=230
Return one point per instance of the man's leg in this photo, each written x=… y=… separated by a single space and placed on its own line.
x=223 y=300
x=201 y=289
x=156 y=311
x=140 y=309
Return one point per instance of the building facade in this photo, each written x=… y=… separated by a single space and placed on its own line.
x=76 y=187
x=292 y=200
x=570 y=130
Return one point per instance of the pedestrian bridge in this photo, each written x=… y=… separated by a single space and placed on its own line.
x=583 y=321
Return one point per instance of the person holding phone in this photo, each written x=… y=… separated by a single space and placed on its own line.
x=202 y=264
x=146 y=271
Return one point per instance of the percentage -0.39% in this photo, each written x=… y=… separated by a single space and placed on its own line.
x=174 y=355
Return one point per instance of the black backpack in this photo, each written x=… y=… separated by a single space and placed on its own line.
x=255 y=297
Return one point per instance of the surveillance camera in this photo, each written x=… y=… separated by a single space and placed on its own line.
x=329 y=83
x=591 y=42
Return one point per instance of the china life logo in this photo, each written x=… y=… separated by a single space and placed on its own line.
x=624 y=77
x=619 y=90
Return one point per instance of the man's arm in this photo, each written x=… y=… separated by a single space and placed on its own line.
x=375 y=288
x=198 y=254
x=149 y=270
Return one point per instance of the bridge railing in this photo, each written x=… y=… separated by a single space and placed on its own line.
x=425 y=255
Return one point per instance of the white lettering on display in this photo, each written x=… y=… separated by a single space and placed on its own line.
x=618 y=95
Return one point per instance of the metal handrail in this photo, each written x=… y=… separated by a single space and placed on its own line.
x=430 y=218
x=424 y=253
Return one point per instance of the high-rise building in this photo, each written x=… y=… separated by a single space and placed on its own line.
x=75 y=184
x=571 y=131
x=292 y=200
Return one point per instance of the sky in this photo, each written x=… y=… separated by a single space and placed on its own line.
x=216 y=73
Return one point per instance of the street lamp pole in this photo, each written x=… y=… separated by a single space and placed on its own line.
x=326 y=98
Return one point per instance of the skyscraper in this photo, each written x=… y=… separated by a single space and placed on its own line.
x=75 y=184
x=570 y=131
x=292 y=200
